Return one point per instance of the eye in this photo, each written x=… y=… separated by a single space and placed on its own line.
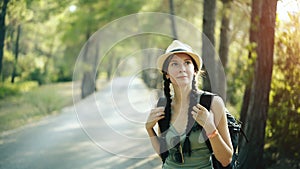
x=188 y=62
x=174 y=64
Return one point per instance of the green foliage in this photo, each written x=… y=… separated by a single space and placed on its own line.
x=39 y=39
x=284 y=112
x=32 y=103
x=37 y=75
x=44 y=101
x=237 y=73
x=239 y=67
x=52 y=37
x=8 y=89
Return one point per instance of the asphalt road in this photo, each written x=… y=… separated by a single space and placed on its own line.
x=105 y=130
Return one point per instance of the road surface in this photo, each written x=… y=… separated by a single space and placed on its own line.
x=105 y=130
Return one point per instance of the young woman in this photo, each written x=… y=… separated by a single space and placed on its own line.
x=184 y=124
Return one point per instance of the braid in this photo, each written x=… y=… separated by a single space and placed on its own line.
x=164 y=123
x=191 y=121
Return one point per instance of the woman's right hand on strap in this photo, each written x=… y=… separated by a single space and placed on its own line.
x=155 y=115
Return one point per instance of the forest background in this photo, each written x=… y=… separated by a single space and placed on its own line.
x=41 y=40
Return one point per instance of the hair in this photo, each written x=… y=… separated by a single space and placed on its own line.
x=164 y=123
x=191 y=121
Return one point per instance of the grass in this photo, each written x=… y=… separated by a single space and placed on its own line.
x=31 y=106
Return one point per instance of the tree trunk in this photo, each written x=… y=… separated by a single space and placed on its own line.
x=224 y=46
x=2 y=31
x=16 y=55
x=251 y=154
x=88 y=85
x=255 y=15
x=209 y=21
x=110 y=67
x=173 y=24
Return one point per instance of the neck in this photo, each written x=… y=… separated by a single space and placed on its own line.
x=182 y=94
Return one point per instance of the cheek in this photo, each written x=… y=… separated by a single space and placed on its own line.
x=172 y=72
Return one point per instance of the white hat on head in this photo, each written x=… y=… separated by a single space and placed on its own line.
x=178 y=47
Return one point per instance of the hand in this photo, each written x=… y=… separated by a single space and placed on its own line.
x=204 y=118
x=155 y=115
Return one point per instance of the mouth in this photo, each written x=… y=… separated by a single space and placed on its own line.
x=181 y=77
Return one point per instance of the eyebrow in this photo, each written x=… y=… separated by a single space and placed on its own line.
x=175 y=59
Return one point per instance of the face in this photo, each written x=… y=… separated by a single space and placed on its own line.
x=181 y=70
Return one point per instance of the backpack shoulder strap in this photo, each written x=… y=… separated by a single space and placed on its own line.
x=205 y=101
x=162 y=101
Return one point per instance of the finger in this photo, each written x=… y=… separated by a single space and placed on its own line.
x=160 y=114
x=199 y=106
x=195 y=115
x=196 y=109
x=160 y=108
x=155 y=118
x=160 y=117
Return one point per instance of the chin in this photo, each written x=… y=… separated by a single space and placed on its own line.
x=183 y=84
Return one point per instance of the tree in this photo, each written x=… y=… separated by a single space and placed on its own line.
x=16 y=55
x=209 y=22
x=251 y=154
x=173 y=24
x=88 y=84
x=253 y=39
x=224 y=46
x=3 y=6
x=282 y=132
x=93 y=15
x=38 y=43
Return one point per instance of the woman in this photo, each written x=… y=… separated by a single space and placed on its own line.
x=181 y=141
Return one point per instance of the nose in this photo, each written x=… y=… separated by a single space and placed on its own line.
x=182 y=68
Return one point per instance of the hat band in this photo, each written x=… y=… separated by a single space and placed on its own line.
x=176 y=50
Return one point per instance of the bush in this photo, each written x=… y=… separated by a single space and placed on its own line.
x=284 y=111
x=9 y=89
x=34 y=104
x=44 y=100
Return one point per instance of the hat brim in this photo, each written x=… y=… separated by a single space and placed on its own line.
x=162 y=58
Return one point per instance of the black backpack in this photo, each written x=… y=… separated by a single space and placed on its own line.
x=235 y=130
x=234 y=127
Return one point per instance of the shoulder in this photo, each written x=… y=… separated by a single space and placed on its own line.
x=217 y=105
x=217 y=100
x=219 y=111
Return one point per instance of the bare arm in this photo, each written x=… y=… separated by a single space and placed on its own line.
x=155 y=115
x=215 y=122
x=154 y=140
x=221 y=143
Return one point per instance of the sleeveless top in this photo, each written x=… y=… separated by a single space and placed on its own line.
x=200 y=157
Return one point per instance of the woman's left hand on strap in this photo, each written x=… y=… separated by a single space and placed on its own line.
x=204 y=118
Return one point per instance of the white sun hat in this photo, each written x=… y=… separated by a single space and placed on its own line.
x=178 y=47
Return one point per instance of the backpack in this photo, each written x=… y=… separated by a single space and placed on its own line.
x=234 y=127
x=235 y=130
